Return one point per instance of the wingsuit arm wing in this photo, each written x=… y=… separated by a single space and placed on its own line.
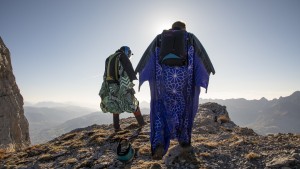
x=201 y=52
x=128 y=67
x=147 y=54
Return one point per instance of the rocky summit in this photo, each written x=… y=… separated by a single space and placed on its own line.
x=217 y=143
x=14 y=133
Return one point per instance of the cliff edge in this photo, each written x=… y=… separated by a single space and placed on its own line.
x=14 y=131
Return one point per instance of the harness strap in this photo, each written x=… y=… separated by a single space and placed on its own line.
x=174 y=48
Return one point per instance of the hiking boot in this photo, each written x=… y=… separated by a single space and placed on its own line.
x=117 y=130
x=186 y=147
x=140 y=120
x=158 y=153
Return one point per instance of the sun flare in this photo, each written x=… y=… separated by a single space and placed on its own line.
x=162 y=25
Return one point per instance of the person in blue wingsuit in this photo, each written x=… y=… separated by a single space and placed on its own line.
x=176 y=66
x=117 y=93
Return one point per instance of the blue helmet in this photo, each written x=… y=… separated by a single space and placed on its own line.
x=126 y=50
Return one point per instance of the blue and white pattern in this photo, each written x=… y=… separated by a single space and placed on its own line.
x=174 y=94
x=171 y=117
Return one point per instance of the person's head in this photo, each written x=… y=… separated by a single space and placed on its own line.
x=126 y=51
x=178 y=25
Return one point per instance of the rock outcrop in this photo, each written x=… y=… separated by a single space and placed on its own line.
x=217 y=143
x=14 y=131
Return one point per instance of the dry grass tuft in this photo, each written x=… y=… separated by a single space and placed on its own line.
x=145 y=150
x=223 y=119
x=252 y=156
x=56 y=149
x=85 y=164
x=73 y=143
x=232 y=139
x=143 y=138
x=22 y=155
x=9 y=149
x=146 y=164
x=83 y=150
x=211 y=144
x=36 y=150
x=226 y=129
x=236 y=144
x=69 y=136
x=205 y=154
x=101 y=131
x=2 y=153
x=199 y=139
x=102 y=135
x=97 y=139
x=69 y=161
x=45 y=157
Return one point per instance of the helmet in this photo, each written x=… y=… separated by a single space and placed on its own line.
x=125 y=152
x=126 y=50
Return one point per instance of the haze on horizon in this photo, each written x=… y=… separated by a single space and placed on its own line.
x=58 y=48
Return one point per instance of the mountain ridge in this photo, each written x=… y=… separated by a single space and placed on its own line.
x=265 y=116
x=257 y=114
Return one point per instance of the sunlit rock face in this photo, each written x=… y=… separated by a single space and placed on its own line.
x=14 y=131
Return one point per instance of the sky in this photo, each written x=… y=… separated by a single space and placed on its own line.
x=58 y=47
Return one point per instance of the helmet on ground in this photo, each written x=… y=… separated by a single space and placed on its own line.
x=125 y=152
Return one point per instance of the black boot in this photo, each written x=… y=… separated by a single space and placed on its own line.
x=139 y=117
x=158 y=153
x=186 y=147
x=116 y=120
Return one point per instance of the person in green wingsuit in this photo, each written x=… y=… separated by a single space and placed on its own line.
x=117 y=93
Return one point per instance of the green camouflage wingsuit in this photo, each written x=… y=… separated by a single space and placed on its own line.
x=117 y=93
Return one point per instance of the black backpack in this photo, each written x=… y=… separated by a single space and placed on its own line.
x=173 y=50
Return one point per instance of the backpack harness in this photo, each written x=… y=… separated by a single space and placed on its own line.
x=112 y=68
x=173 y=48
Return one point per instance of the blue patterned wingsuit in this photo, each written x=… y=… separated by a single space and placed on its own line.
x=174 y=91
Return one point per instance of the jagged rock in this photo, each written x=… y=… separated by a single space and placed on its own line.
x=212 y=118
x=280 y=162
x=14 y=131
x=228 y=146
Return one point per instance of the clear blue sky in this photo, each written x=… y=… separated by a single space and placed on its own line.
x=58 y=47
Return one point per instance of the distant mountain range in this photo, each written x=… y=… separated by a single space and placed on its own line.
x=48 y=120
x=49 y=116
x=265 y=116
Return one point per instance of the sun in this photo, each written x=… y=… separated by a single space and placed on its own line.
x=158 y=25
x=162 y=25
